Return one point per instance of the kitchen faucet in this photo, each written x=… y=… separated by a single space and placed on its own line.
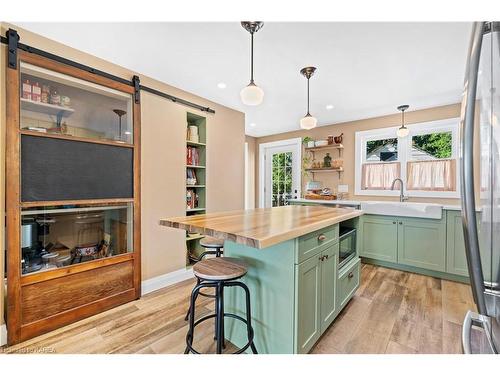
x=402 y=197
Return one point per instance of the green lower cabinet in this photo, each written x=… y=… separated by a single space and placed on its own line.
x=422 y=243
x=329 y=286
x=316 y=289
x=379 y=239
x=456 y=261
x=308 y=296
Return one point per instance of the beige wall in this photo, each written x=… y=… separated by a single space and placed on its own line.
x=163 y=158
x=250 y=176
x=349 y=128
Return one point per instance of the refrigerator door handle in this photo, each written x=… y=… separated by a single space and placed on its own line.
x=467 y=116
x=475 y=319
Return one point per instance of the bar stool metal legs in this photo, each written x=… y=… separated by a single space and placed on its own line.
x=218 y=253
x=219 y=316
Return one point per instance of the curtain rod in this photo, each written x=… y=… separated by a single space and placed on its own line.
x=135 y=82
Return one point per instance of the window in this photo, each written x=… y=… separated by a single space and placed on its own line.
x=426 y=160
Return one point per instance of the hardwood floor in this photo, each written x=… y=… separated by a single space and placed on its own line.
x=392 y=312
x=397 y=312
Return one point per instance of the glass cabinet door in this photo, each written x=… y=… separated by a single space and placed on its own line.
x=60 y=236
x=56 y=103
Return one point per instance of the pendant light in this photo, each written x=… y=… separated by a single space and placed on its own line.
x=403 y=131
x=308 y=121
x=252 y=94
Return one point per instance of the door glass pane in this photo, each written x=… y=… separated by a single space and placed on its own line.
x=60 y=236
x=56 y=103
x=281 y=178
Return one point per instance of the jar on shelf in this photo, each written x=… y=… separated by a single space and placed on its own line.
x=36 y=92
x=45 y=96
x=26 y=91
x=55 y=98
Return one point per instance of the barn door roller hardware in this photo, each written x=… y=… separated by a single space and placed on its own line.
x=12 y=40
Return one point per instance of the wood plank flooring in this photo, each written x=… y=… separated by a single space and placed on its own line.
x=392 y=312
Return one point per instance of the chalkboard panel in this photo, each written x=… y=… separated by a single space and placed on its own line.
x=58 y=169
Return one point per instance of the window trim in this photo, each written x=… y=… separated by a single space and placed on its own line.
x=404 y=149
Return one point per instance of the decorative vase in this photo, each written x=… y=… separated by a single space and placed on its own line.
x=327 y=161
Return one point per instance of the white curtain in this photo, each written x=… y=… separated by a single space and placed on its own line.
x=379 y=176
x=435 y=175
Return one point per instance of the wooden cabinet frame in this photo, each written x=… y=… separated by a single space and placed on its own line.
x=128 y=266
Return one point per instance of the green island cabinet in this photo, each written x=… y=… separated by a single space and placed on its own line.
x=431 y=246
x=296 y=291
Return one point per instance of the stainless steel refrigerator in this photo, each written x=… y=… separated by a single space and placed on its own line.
x=480 y=117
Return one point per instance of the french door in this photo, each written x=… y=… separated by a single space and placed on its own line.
x=281 y=173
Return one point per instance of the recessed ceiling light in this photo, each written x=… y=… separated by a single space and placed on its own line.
x=329 y=106
x=253 y=124
x=221 y=85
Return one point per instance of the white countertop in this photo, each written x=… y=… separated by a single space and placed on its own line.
x=449 y=207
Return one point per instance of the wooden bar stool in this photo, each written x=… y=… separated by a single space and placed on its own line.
x=215 y=247
x=219 y=273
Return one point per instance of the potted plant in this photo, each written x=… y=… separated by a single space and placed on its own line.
x=308 y=142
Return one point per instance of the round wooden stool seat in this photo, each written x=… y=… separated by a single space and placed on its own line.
x=211 y=242
x=220 y=269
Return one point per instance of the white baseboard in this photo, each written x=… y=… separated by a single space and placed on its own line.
x=162 y=281
x=3 y=335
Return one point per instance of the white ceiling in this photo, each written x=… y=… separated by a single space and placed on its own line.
x=364 y=69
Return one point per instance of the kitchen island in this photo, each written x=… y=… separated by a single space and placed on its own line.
x=292 y=252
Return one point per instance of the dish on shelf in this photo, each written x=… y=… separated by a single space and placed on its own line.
x=321 y=143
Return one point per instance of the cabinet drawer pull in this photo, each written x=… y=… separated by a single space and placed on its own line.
x=350 y=275
x=394 y=222
x=326 y=256
x=322 y=258
x=400 y=223
x=321 y=237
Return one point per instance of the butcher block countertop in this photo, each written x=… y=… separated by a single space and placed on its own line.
x=263 y=227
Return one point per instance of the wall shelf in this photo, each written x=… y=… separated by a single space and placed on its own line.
x=195 y=209
x=195 y=166
x=196 y=236
x=322 y=170
x=191 y=143
x=198 y=187
x=338 y=146
x=328 y=147
x=49 y=109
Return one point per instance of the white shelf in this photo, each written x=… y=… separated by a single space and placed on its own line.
x=49 y=109
x=195 y=186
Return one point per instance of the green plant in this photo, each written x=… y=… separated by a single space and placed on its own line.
x=306 y=139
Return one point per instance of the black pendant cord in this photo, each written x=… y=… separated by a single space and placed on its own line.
x=134 y=83
x=403 y=119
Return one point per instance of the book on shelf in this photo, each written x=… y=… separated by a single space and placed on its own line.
x=191 y=178
x=192 y=156
x=191 y=199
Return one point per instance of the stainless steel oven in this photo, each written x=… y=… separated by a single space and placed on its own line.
x=347 y=239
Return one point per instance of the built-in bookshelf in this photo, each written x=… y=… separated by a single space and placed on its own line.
x=196 y=148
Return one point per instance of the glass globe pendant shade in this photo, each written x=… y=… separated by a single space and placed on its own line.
x=252 y=94
x=308 y=122
x=403 y=132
